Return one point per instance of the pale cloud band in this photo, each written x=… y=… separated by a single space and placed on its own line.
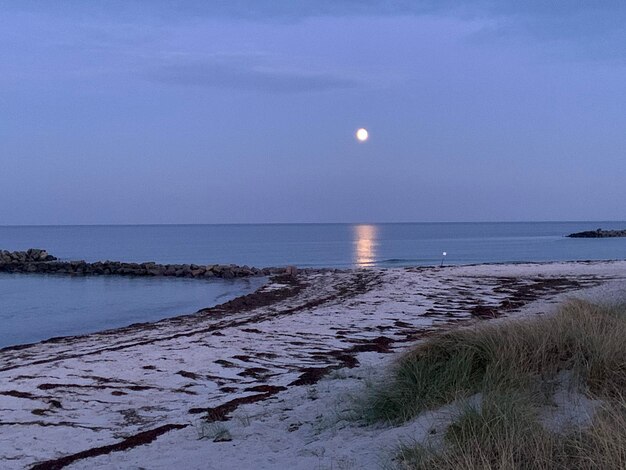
x=241 y=76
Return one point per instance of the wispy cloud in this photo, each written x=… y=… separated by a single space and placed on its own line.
x=238 y=75
x=596 y=28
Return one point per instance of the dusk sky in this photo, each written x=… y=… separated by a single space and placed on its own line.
x=245 y=111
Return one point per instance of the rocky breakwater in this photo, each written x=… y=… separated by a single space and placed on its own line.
x=598 y=234
x=39 y=261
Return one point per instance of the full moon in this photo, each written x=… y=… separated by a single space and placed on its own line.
x=362 y=135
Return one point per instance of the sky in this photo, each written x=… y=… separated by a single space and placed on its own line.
x=244 y=111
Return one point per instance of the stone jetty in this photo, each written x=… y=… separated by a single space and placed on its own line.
x=39 y=261
x=598 y=234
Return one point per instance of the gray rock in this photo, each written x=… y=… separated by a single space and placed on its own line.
x=35 y=260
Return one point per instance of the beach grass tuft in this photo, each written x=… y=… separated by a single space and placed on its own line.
x=504 y=434
x=515 y=367
x=583 y=338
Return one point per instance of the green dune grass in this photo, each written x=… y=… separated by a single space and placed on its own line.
x=515 y=367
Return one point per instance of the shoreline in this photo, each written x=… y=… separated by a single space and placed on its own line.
x=228 y=305
x=248 y=301
x=115 y=384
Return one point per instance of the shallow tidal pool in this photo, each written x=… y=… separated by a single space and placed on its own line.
x=38 y=307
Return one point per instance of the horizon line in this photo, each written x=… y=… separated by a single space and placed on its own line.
x=309 y=223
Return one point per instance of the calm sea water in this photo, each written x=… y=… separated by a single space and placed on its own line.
x=328 y=245
x=36 y=307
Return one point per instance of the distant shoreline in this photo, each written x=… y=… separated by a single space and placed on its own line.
x=599 y=233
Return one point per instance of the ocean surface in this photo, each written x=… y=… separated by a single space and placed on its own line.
x=35 y=307
x=321 y=245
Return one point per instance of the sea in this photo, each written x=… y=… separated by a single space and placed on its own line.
x=36 y=307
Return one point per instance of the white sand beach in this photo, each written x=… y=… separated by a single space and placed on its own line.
x=274 y=371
